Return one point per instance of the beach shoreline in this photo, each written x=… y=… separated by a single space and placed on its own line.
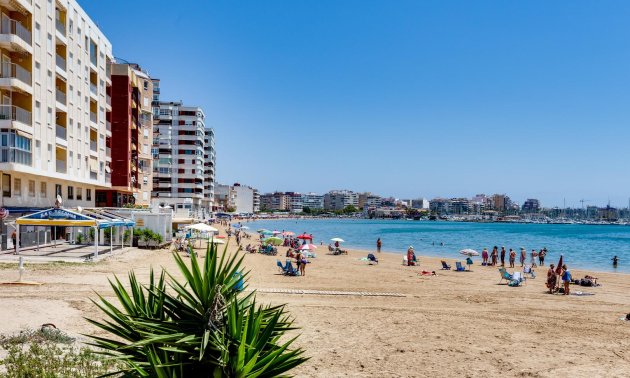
x=452 y=324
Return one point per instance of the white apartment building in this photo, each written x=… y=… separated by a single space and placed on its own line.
x=54 y=82
x=313 y=201
x=340 y=199
x=209 y=156
x=179 y=172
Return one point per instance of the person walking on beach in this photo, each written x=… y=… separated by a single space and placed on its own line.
x=566 y=278
x=551 y=279
x=502 y=256
x=379 y=244
x=522 y=256
x=541 y=257
x=534 y=255
x=512 y=258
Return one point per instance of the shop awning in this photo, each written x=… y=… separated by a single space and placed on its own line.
x=68 y=218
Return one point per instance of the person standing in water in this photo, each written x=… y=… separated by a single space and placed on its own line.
x=379 y=244
x=615 y=261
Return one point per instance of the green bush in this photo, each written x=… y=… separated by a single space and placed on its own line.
x=198 y=326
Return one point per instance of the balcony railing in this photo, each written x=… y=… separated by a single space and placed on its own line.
x=61 y=166
x=61 y=28
x=15 y=113
x=12 y=70
x=108 y=152
x=93 y=88
x=93 y=117
x=61 y=132
x=14 y=27
x=108 y=126
x=61 y=62
x=93 y=146
x=94 y=60
x=108 y=70
x=61 y=97
x=108 y=99
x=93 y=175
x=108 y=177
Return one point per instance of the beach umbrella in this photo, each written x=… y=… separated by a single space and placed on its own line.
x=469 y=252
x=307 y=247
x=202 y=227
x=340 y=240
x=216 y=241
x=267 y=232
x=273 y=240
x=288 y=233
x=277 y=232
x=559 y=266
x=244 y=228
x=305 y=237
x=261 y=230
x=219 y=236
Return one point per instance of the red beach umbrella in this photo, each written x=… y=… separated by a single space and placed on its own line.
x=305 y=237
x=559 y=267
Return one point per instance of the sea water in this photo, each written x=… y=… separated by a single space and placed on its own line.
x=583 y=246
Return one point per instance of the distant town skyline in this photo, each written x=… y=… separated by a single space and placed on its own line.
x=403 y=98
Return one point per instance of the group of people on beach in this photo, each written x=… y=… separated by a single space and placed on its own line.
x=491 y=259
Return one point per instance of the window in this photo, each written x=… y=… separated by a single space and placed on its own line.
x=78 y=162
x=70 y=162
x=70 y=27
x=17 y=187
x=88 y=194
x=6 y=185
x=43 y=190
x=57 y=190
x=38 y=32
x=50 y=79
x=79 y=194
x=70 y=192
x=31 y=188
x=50 y=153
x=38 y=111
x=49 y=44
x=50 y=117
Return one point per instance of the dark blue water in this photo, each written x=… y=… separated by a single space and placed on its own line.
x=583 y=246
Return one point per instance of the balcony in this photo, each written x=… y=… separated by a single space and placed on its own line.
x=61 y=166
x=108 y=100
x=93 y=117
x=61 y=97
x=93 y=175
x=108 y=152
x=93 y=89
x=23 y=6
x=93 y=146
x=108 y=126
x=15 y=37
x=61 y=28
x=60 y=35
x=15 y=117
x=108 y=177
x=60 y=67
x=15 y=77
x=61 y=132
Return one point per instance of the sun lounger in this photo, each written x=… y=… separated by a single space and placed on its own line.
x=445 y=266
x=290 y=270
x=459 y=267
x=517 y=279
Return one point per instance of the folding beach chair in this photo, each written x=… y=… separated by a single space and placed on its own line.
x=445 y=266
x=505 y=275
x=290 y=270
x=459 y=267
x=527 y=269
x=283 y=270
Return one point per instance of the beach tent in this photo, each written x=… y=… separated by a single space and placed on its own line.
x=58 y=217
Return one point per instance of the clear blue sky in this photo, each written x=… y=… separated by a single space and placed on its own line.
x=402 y=98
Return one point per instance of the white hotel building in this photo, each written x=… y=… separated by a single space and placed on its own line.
x=54 y=80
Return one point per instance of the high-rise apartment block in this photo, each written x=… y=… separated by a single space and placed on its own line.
x=131 y=120
x=54 y=82
x=179 y=163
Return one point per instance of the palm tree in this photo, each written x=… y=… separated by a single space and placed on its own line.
x=200 y=326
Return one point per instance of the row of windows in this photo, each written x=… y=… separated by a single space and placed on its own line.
x=15 y=190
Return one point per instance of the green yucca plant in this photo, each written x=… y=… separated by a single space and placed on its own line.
x=199 y=326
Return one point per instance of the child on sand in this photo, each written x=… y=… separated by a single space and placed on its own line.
x=566 y=278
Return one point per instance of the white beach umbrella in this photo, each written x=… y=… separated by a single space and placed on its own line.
x=469 y=252
x=340 y=240
x=307 y=247
x=216 y=241
x=202 y=227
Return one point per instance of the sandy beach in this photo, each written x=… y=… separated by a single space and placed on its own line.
x=453 y=324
